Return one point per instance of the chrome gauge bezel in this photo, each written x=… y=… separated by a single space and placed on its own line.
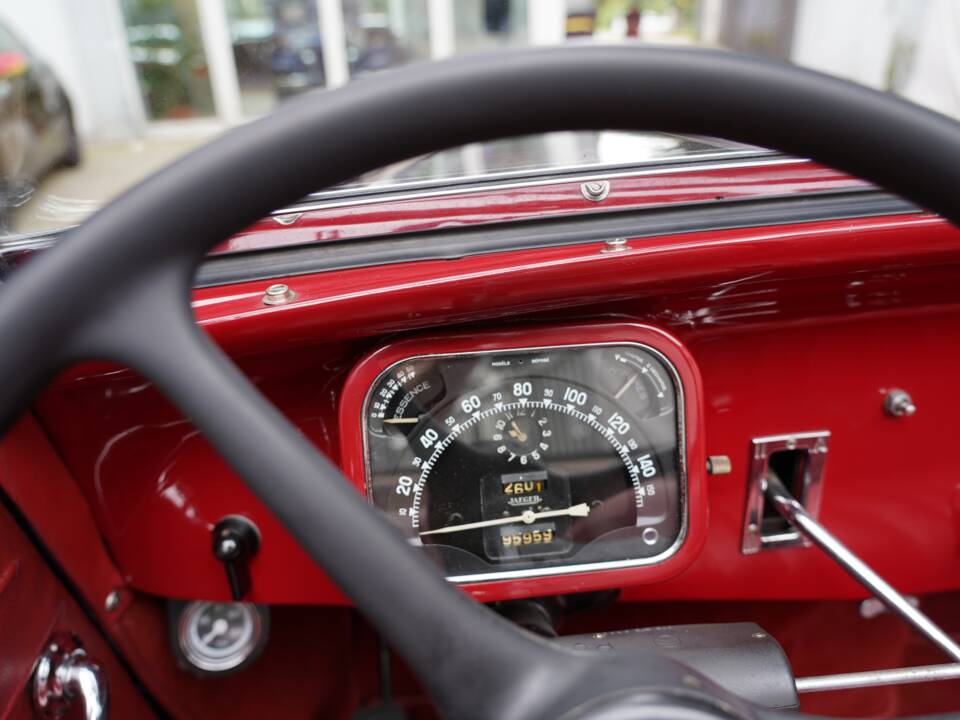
x=573 y=569
x=231 y=659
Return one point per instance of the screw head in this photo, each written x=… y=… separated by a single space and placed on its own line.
x=899 y=404
x=112 y=601
x=615 y=245
x=278 y=294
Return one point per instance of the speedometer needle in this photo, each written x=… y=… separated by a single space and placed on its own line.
x=527 y=517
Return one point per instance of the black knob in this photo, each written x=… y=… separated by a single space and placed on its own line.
x=235 y=541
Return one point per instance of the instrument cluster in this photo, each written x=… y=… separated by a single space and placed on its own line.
x=509 y=457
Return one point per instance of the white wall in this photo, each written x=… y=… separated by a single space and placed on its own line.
x=911 y=47
x=85 y=44
x=854 y=39
x=934 y=78
x=42 y=26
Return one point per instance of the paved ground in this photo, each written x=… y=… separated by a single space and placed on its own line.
x=65 y=197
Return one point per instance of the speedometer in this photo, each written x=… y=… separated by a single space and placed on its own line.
x=521 y=462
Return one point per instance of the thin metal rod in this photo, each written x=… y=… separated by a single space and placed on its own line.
x=876 y=678
x=797 y=516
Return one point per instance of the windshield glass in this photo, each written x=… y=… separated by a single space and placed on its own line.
x=549 y=153
x=96 y=96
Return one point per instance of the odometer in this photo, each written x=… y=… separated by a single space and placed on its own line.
x=526 y=462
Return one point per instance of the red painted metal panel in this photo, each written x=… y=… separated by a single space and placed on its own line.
x=730 y=180
x=34 y=606
x=793 y=328
x=367 y=302
x=292 y=678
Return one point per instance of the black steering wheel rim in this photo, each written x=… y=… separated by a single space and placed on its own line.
x=118 y=286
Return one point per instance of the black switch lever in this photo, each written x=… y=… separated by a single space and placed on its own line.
x=235 y=541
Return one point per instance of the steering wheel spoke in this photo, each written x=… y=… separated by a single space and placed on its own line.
x=439 y=631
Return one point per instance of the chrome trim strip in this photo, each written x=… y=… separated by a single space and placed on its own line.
x=32 y=242
x=565 y=569
x=533 y=173
x=598 y=174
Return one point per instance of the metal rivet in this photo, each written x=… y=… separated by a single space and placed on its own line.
x=615 y=245
x=112 y=601
x=278 y=294
x=898 y=403
x=719 y=465
x=595 y=190
x=791 y=444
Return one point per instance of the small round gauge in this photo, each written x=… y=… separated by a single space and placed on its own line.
x=402 y=400
x=521 y=435
x=637 y=383
x=216 y=637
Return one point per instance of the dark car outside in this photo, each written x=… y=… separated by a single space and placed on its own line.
x=37 y=129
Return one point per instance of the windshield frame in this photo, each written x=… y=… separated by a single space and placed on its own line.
x=490 y=182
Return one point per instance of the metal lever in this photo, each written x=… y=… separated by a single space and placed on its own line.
x=878 y=678
x=64 y=674
x=235 y=541
x=797 y=516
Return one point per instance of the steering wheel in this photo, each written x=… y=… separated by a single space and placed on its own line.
x=118 y=286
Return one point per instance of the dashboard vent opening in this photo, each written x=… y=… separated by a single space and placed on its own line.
x=790 y=466
x=798 y=460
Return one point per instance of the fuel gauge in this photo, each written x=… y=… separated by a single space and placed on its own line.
x=216 y=637
x=640 y=386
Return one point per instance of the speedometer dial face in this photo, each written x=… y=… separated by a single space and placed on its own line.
x=530 y=462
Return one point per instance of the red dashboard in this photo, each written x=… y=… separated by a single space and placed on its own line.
x=793 y=328
x=786 y=328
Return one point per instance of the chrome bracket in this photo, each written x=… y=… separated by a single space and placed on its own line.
x=64 y=676
x=815 y=445
x=595 y=190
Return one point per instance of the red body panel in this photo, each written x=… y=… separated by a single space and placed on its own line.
x=294 y=679
x=818 y=312
x=346 y=219
x=33 y=607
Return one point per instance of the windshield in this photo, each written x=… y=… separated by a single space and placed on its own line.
x=96 y=96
